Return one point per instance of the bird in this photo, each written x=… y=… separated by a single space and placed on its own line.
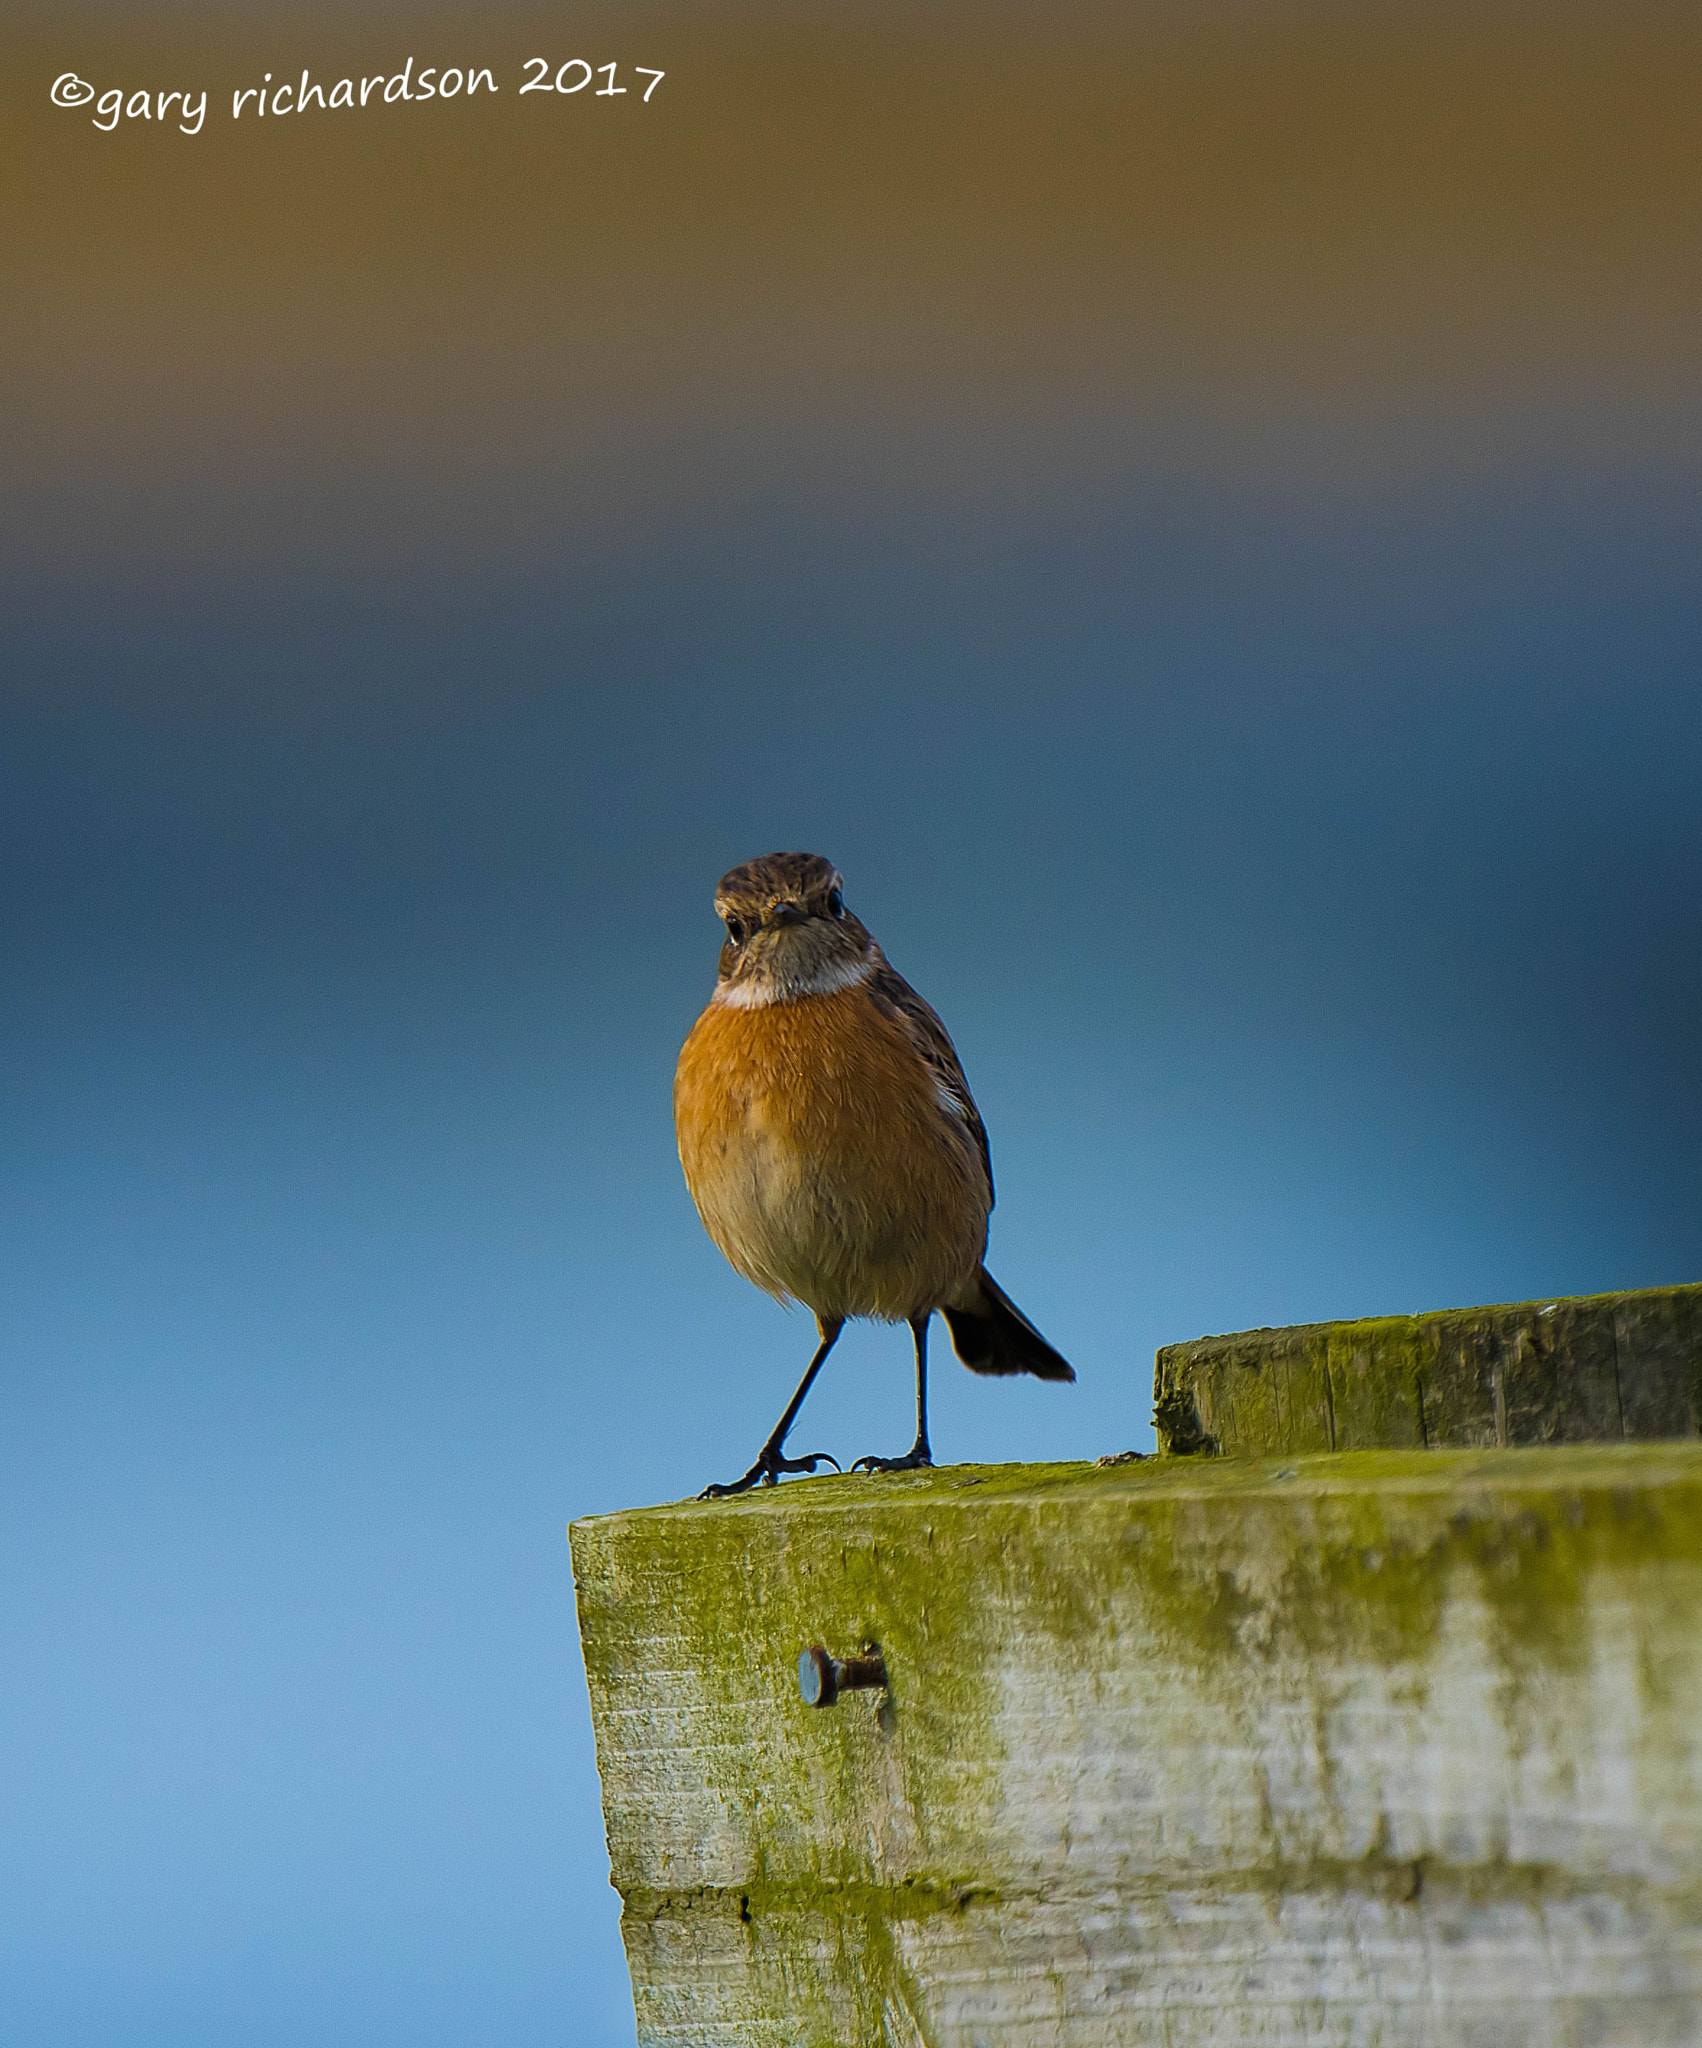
x=832 y=1147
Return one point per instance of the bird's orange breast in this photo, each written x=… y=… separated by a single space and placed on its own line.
x=821 y=1159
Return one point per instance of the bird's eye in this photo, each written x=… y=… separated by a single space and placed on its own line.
x=736 y=930
x=835 y=903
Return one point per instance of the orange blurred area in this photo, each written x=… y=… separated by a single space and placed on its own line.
x=935 y=252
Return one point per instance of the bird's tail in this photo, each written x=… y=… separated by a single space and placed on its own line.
x=993 y=1335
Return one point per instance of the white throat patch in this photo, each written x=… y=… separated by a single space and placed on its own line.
x=760 y=991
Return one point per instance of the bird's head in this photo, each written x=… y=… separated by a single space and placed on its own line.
x=789 y=933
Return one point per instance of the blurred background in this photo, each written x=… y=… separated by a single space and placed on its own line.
x=1193 y=507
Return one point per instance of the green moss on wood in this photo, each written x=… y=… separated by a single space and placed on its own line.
x=1208 y=1616
x=1591 y=1369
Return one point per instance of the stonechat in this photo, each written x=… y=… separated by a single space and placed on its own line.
x=832 y=1146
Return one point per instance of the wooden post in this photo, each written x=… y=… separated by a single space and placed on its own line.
x=1599 y=1368
x=1352 y=1748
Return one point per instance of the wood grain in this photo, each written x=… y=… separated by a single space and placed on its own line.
x=1356 y=1748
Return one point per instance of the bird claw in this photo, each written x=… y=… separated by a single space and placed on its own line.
x=766 y=1472
x=805 y=1464
x=917 y=1460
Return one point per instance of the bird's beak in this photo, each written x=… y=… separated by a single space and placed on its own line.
x=785 y=914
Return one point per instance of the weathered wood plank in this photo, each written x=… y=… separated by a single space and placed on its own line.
x=1353 y=1749
x=1603 y=1368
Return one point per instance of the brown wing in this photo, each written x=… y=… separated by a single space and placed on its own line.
x=931 y=1039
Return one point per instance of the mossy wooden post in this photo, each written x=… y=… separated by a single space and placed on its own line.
x=1350 y=1748
x=1594 y=1368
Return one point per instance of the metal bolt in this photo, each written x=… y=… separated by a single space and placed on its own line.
x=821 y=1678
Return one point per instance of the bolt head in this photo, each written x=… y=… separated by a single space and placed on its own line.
x=818 y=1684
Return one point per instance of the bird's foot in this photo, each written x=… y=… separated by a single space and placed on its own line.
x=767 y=1470
x=917 y=1459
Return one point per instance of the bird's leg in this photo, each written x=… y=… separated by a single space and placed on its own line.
x=769 y=1463
x=918 y=1455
